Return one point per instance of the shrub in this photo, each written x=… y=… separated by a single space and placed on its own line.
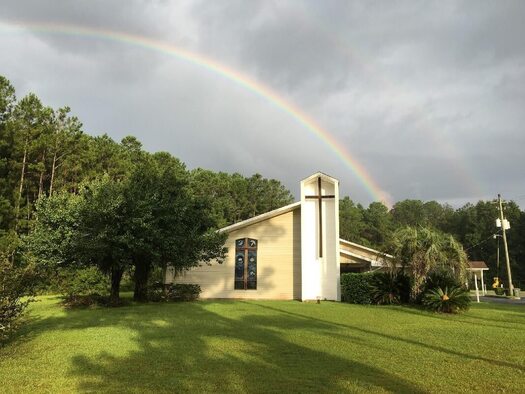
x=404 y=286
x=174 y=292
x=356 y=288
x=447 y=301
x=85 y=301
x=499 y=291
x=390 y=288
x=441 y=278
x=185 y=292
x=75 y=283
x=384 y=289
x=15 y=284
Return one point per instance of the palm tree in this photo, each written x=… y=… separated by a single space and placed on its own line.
x=421 y=251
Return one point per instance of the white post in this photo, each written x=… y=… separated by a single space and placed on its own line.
x=482 y=284
x=476 y=284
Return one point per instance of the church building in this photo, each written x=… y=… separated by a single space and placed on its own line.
x=293 y=252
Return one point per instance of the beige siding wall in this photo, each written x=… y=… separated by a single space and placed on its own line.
x=278 y=262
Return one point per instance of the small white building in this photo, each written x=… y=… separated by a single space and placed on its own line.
x=477 y=269
x=293 y=252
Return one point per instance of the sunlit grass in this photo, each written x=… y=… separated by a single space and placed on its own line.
x=261 y=346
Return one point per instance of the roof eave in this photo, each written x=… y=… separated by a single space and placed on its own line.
x=261 y=217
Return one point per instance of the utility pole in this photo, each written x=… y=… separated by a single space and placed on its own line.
x=511 y=288
x=497 y=264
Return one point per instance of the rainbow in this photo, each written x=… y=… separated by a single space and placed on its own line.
x=206 y=63
x=464 y=170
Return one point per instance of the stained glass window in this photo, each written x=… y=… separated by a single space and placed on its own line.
x=246 y=264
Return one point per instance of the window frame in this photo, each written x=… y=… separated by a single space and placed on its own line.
x=247 y=252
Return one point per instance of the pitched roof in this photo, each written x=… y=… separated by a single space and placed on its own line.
x=359 y=246
x=322 y=175
x=478 y=265
x=260 y=218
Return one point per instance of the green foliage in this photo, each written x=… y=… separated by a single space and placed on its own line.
x=472 y=225
x=389 y=288
x=174 y=292
x=378 y=224
x=144 y=221
x=234 y=197
x=351 y=223
x=383 y=288
x=441 y=278
x=499 y=291
x=75 y=282
x=185 y=292
x=418 y=213
x=222 y=346
x=422 y=251
x=357 y=288
x=15 y=288
x=455 y=300
x=428 y=258
x=44 y=151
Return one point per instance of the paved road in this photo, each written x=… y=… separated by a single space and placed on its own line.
x=502 y=300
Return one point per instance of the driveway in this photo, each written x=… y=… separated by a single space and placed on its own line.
x=501 y=300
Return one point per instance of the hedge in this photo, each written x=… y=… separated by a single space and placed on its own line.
x=357 y=288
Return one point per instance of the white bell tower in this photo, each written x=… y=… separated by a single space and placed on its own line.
x=320 y=238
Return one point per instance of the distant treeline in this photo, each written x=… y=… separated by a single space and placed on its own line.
x=44 y=150
x=474 y=225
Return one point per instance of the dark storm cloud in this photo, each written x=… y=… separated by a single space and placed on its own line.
x=428 y=96
x=134 y=15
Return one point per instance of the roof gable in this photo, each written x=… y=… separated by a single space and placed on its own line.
x=478 y=265
x=261 y=217
x=322 y=175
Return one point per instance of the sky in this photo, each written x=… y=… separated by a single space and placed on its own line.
x=396 y=99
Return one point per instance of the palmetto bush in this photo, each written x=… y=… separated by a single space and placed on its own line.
x=422 y=251
x=455 y=300
x=390 y=288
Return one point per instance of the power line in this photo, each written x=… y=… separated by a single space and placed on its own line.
x=479 y=243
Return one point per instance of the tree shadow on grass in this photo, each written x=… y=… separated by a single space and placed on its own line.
x=469 y=319
x=437 y=348
x=205 y=347
x=25 y=331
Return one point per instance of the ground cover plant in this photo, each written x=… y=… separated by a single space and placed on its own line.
x=264 y=346
x=448 y=300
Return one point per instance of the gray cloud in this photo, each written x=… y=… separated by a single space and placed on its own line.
x=427 y=96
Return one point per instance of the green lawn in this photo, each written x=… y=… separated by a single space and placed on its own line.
x=265 y=346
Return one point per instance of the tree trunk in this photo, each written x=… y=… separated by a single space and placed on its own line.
x=116 y=277
x=21 y=187
x=28 y=208
x=53 y=169
x=164 y=284
x=142 y=269
x=41 y=181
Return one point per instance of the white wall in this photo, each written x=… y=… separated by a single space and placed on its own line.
x=320 y=275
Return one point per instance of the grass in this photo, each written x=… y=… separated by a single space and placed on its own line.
x=265 y=346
